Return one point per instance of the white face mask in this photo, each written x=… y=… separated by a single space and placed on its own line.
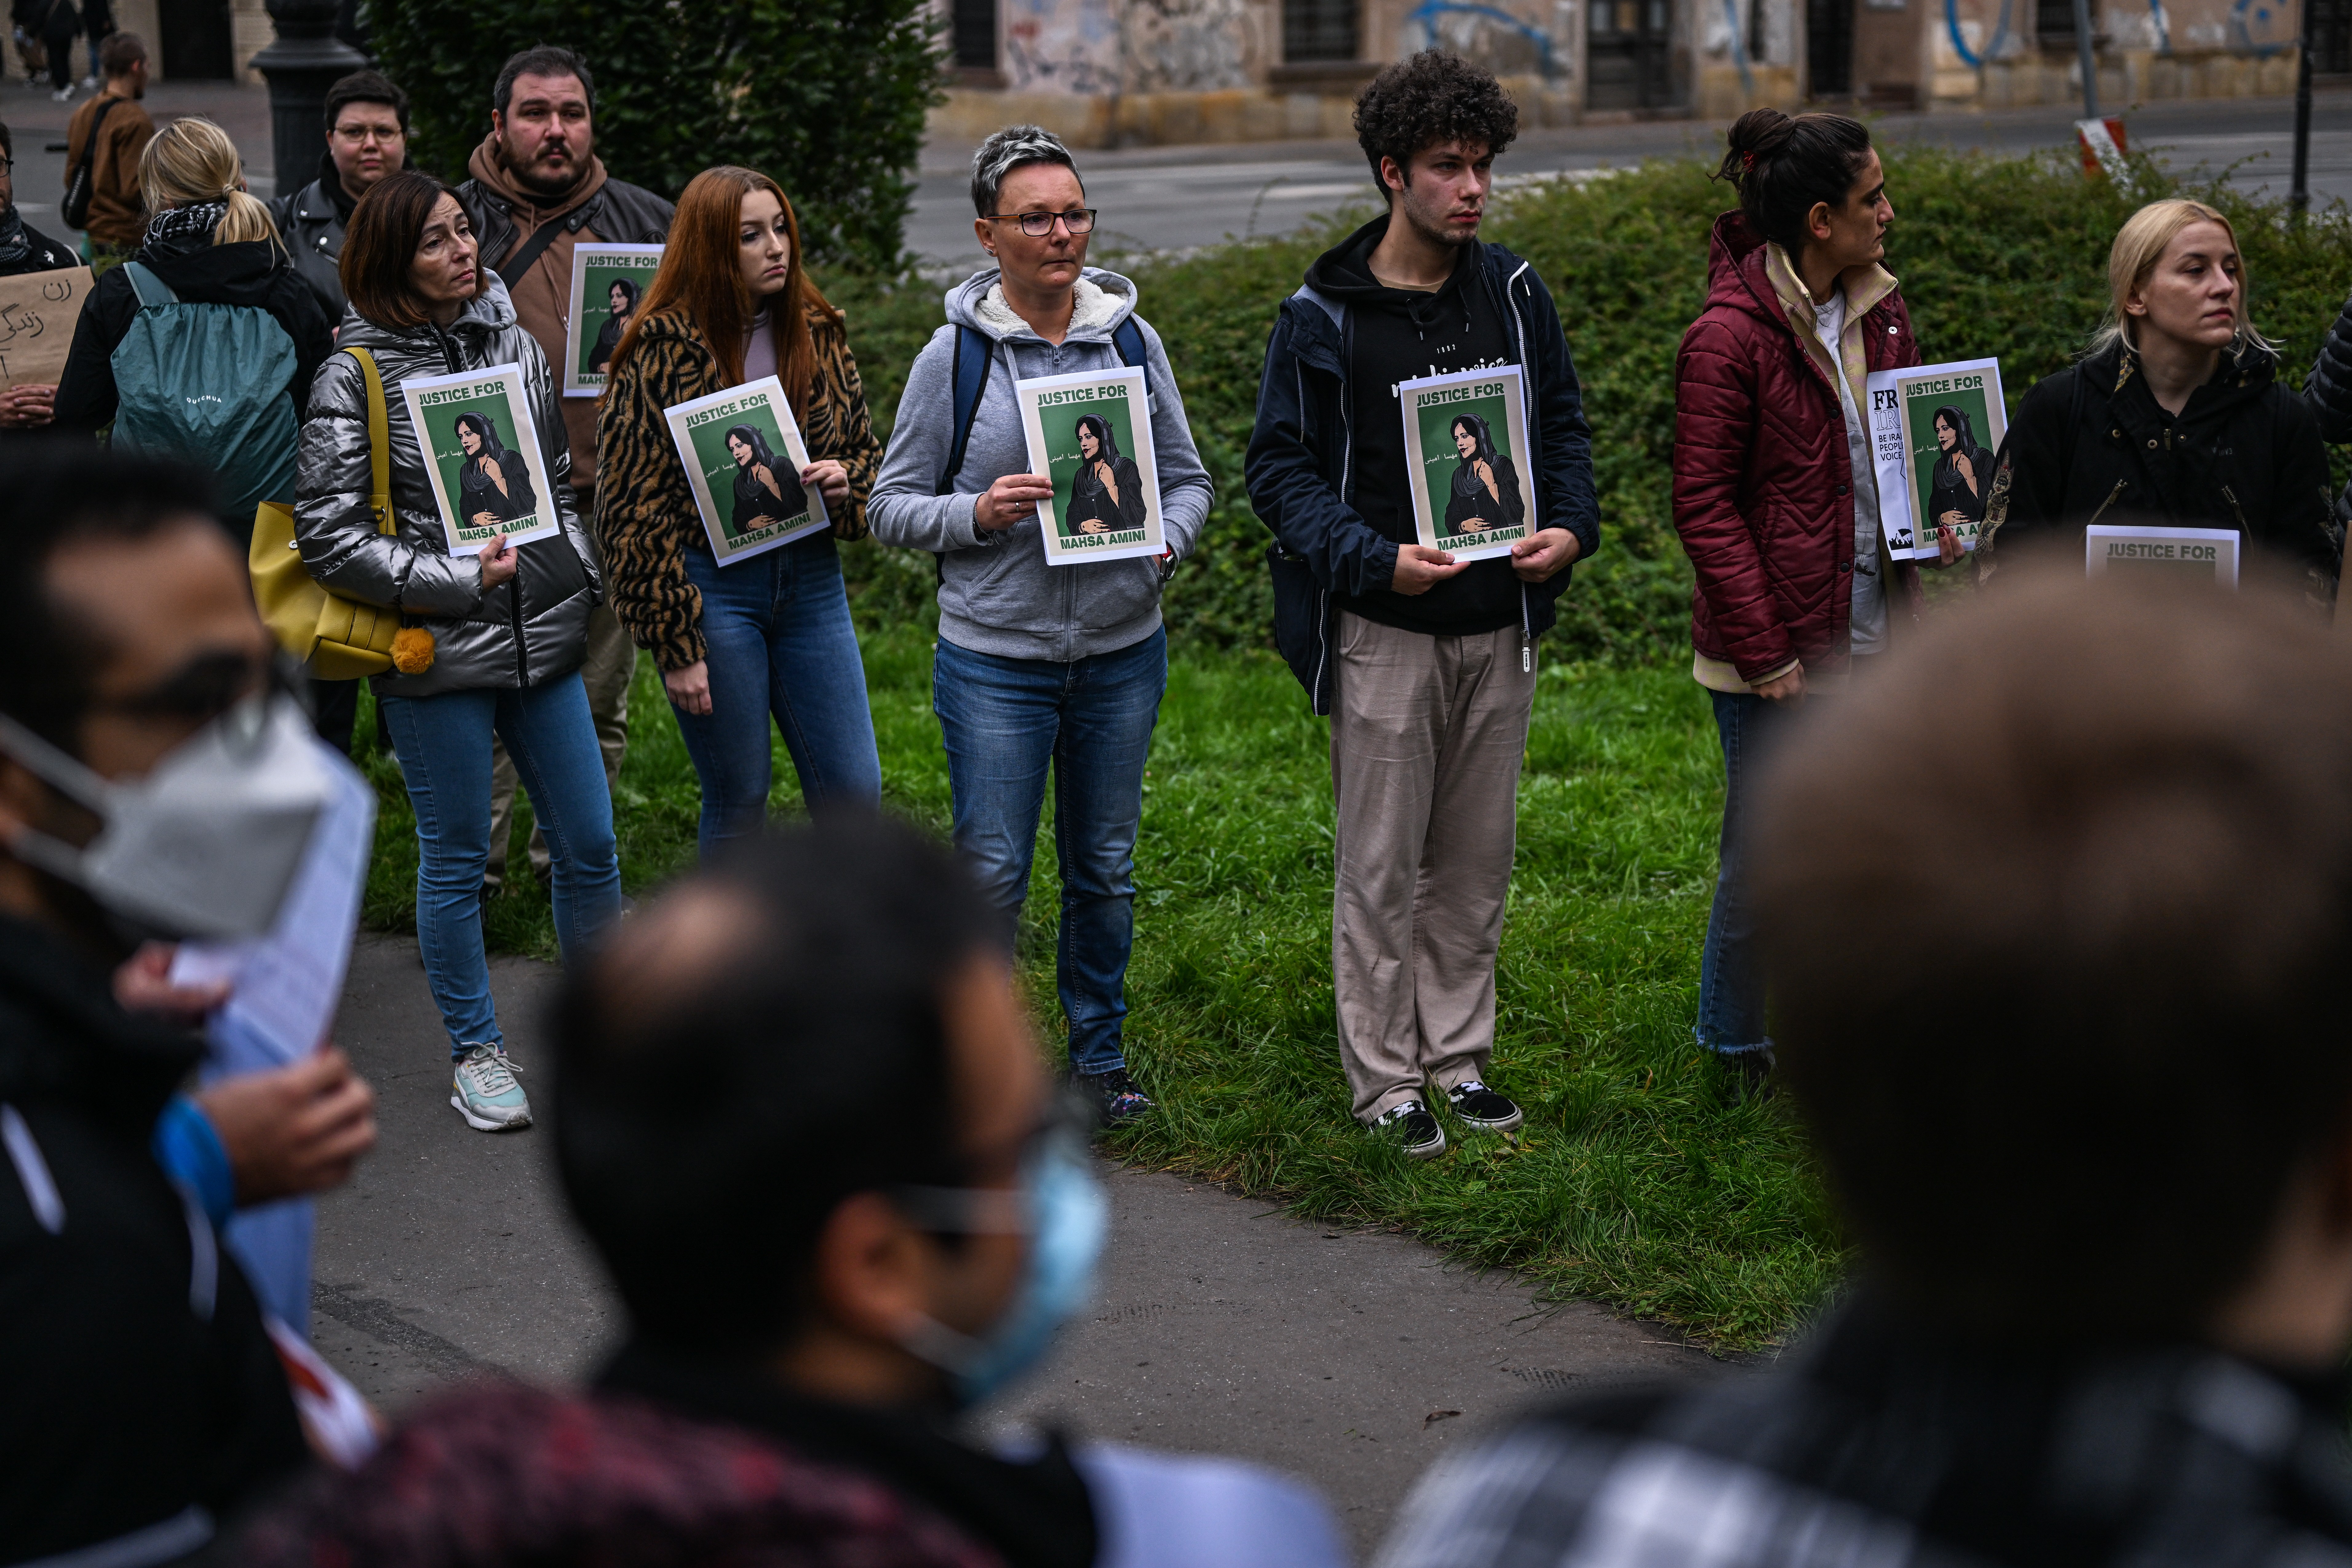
x=208 y=842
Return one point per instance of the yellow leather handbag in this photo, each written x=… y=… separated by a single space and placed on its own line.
x=336 y=638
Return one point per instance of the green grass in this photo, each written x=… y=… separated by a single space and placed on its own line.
x=1635 y=1182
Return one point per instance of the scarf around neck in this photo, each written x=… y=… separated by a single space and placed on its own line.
x=14 y=243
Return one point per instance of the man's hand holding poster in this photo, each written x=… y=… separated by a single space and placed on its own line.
x=1934 y=430
x=482 y=453
x=743 y=457
x=1466 y=443
x=1090 y=435
x=608 y=282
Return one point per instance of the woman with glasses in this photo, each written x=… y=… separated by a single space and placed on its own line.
x=1041 y=664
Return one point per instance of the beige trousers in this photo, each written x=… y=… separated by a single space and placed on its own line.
x=611 y=660
x=1427 y=737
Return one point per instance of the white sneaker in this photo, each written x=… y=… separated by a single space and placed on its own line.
x=485 y=1093
x=63 y=95
x=89 y=84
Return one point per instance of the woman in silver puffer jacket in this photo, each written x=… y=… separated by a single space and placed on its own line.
x=507 y=627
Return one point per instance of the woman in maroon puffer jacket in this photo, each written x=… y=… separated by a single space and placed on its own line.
x=1775 y=497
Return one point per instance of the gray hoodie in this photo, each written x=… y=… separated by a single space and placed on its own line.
x=997 y=595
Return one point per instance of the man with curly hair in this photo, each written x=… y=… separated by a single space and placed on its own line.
x=1425 y=663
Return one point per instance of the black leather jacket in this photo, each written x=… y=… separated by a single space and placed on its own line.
x=621 y=214
x=312 y=221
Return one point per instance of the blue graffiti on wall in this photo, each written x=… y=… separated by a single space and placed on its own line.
x=1430 y=12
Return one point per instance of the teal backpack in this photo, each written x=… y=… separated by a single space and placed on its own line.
x=207 y=383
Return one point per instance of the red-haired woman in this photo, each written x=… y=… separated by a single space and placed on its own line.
x=763 y=634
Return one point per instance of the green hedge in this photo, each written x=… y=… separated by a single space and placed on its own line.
x=827 y=96
x=1998 y=257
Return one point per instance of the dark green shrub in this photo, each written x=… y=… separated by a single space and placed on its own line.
x=827 y=96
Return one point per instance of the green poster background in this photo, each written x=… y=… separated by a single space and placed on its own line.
x=449 y=456
x=596 y=301
x=1060 y=424
x=1920 y=418
x=1439 y=459
x=718 y=464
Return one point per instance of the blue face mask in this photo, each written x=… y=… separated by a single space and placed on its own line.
x=1066 y=1218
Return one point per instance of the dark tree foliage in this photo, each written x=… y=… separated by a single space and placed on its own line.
x=826 y=96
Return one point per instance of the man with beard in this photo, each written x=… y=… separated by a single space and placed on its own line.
x=536 y=190
x=367 y=138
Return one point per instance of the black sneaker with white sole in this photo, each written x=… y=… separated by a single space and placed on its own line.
x=1423 y=1138
x=1114 y=1095
x=1479 y=1108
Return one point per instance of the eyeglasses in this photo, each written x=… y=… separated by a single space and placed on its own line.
x=1038 y=226
x=370 y=134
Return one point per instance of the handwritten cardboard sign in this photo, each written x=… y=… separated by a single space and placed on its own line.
x=37 y=312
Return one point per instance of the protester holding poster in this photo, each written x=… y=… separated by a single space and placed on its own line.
x=2175 y=419
x=1422 y=457
x=724 y=570
x=493 y=631
x=1776 y=490
x=1050 y=646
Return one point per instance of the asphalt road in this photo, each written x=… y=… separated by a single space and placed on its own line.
x=1221 y=1325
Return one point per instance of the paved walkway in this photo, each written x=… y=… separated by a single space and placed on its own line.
x=1222 y=1325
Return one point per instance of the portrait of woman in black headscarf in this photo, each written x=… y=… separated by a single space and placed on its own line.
x=1486 y=486
x=625 y=300
x=767 y=491
x=1107 y=496
x=493 y=483
x=1956 y=494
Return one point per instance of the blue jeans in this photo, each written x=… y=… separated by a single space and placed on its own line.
x=1730 y=973
x=443 y=746
x=780 y=642
x=1002 y=721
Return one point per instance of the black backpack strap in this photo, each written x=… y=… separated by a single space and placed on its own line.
x=514 y=267
x=974 y=353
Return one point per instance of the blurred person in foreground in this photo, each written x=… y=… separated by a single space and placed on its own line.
x=2096 y=1152
x=152 y=779
x=809 y=1303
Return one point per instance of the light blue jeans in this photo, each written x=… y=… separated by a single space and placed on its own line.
x=443 y=746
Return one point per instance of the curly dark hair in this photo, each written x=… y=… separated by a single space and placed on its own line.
x=1429 y=99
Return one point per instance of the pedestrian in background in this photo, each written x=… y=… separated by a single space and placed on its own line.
x=367 y=138
x=1425 y=664
x=22 y=249
x=110 y=132
x=2101 y=1191
x=60 y=26
x=739 y=642
x=508 y=626
x=1041 y=664
x=96 y=27
x=535 y=190
x=1776 y=497
x=2177 y=417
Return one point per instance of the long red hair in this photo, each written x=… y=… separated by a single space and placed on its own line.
x=701 y=282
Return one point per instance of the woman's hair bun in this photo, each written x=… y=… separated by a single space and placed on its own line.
x=1762 y=131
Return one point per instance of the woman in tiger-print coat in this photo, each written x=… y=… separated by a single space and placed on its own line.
x=765 y=629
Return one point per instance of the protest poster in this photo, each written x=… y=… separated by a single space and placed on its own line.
x=1466 y=443
x=1090 y=434
x=743 y=457
x=37 y=312
x=2211 y=553
x=608 y=281
x=481 y=451
x=1934 y=430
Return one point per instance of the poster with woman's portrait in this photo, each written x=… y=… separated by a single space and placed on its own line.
x=1091 y=435
x=743 y=457
x=1948 y=420
x=608 y=282
x=482 y=453
x=1466 y=446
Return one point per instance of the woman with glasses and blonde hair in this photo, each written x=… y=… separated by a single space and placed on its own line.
x=211 y=243
x=2175 y=418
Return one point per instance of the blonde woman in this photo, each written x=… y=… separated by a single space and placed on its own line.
x=210 y=243
x=2175 y=418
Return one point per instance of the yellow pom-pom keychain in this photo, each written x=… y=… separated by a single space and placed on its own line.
x=412 y=650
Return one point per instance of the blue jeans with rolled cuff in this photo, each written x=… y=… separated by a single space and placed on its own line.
x=443 y=746
x=1003 y=720
x=780 y=645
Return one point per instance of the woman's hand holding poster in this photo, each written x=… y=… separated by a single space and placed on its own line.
x=1465 y=442
x=1090 y=434
x=1933 y=433
x=482 y=453
x=607 y=282
x=743 y=457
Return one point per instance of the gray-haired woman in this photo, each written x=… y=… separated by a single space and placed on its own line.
x=1039 y=663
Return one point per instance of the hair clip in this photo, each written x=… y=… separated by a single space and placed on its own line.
x=1746 y=162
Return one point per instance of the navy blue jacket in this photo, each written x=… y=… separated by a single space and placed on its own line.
x=1301 y=480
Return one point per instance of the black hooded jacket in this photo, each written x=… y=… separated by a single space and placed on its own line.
x=254 y=272
x=2092 y=445
x=312 y=220
x=136 y=1381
